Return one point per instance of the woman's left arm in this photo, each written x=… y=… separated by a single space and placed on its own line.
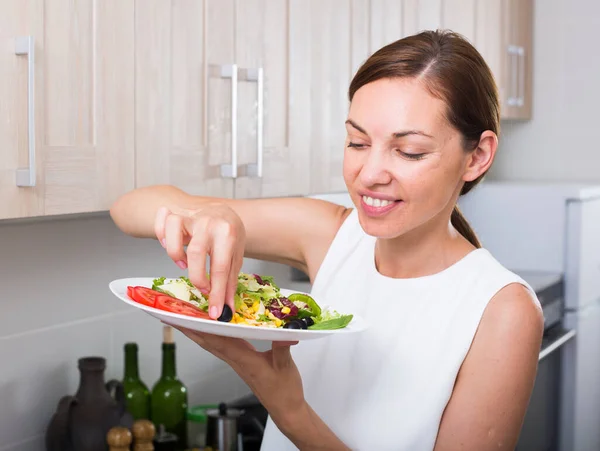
x=494 y=384
x=275 y=380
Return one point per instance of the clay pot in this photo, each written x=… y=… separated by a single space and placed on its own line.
x=82 y=422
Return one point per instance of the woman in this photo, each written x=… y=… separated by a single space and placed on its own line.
x=451 y=355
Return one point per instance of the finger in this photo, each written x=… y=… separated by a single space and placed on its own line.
x=196 y=259
x=228 y=349
x=159 y=224
x=174 y=240
x=220 y=267
x=236 y=264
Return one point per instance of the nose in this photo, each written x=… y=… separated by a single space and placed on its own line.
x=375 y=170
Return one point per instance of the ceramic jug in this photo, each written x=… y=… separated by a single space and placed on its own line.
x=81 y=422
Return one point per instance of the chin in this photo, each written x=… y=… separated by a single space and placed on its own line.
x=381 y=228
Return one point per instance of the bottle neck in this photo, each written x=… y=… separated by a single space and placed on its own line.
x=169 y=370
x=91 y=386
x=131 y=364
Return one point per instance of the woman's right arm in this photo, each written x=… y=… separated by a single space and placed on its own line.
x=293 y=231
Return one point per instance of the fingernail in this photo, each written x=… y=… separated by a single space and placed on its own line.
x=181 y=264
x=163 y=243
x=214 y=311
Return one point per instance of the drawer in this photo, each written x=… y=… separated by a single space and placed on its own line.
x=583 y=253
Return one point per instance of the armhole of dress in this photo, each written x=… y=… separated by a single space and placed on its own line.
x=334 y=253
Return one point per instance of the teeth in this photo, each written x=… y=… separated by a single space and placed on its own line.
x=377 y=203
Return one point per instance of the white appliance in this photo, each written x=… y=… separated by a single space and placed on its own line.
x=554 y=228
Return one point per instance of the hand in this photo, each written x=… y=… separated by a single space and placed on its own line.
x=214 y=230
x=272 y=375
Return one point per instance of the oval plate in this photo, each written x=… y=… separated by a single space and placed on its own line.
x=119 y=289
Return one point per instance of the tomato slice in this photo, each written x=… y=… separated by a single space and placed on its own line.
x=170 y=304
x=143 y=295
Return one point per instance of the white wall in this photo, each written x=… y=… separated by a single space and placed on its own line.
x=561 y=142
x=55 y=307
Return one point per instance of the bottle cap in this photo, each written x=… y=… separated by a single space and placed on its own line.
x=167 y=334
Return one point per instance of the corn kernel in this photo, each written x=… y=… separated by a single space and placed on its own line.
x=278 y=322
x=256 y=306
x=285 y=310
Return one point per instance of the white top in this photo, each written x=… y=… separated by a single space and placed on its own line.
x=386 y=388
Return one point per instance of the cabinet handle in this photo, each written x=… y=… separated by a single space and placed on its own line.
x=513 y=55
x=231 y=170
x=521 y=91
x=256 y=169
x=25 y=45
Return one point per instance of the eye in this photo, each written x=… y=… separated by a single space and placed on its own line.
x=356 y=145
x=411 y=156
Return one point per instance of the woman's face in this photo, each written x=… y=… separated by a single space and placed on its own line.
x=403 y=164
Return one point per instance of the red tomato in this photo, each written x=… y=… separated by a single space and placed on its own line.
x=143 y=295
x=170 y=304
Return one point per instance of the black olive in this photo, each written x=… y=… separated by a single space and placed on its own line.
x=292 y=325
x=226 y=314
x=308 y=321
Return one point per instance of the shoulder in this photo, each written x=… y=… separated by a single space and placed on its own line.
x=510 y=330
x=514 y=310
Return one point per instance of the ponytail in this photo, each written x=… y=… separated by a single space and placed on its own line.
x=461 y=224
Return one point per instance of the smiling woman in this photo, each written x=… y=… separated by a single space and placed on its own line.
x=451 y=355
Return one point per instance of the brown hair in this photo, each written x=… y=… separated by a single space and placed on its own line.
x=453 y=71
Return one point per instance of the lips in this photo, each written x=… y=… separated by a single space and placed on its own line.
x=375 y=206
x=375 y=202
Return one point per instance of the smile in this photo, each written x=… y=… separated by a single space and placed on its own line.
x=377 y=207
x=371 y=202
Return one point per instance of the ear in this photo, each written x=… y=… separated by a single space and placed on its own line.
x=480 y=159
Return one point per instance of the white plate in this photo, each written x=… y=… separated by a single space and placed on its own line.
x=246 y=331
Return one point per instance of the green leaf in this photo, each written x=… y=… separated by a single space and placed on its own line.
x=332 y=324
x=158 y=282
x=312 y=305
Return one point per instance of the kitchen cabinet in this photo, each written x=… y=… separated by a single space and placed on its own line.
x=502 y=31
x=16 y=128
x=230 y=98
x=504 y=36
x=329 y=42
x=220 y=93
x=67 y=71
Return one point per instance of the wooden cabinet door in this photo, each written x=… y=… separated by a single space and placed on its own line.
x=184 y=51
x=273 y=93
x=18 y=116
x=504 y=37
x=460 y=16
x=86 y=98
x=327 y=44
x=518 y=68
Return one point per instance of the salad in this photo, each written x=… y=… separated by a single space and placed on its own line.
x=258 y=302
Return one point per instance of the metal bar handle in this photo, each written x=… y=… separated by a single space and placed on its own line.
x=231 y=170
x=25 y=45
x=521 y=91
x=557 y=344
x=256 y=170
x=513 y=52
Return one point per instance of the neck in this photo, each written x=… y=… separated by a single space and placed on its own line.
x=168 y=361
x=92 y=386
x=425 y=250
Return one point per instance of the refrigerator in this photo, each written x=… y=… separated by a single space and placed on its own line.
x=555 y=228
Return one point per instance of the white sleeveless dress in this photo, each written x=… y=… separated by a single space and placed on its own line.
x=386 y=388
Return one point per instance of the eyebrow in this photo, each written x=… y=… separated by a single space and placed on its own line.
x=401 y=134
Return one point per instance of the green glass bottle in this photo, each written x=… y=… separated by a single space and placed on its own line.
x=137 y=395
x=169 y=395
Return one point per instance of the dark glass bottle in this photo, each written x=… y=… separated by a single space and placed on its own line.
x=137 y=395
x=169 y=395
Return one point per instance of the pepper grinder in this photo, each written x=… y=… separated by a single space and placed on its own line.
x=144 y=432
x=118 y=439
